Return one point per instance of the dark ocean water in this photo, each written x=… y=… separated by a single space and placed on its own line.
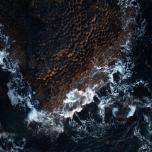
x=117 y=118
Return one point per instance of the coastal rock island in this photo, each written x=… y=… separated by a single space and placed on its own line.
x=57 y=43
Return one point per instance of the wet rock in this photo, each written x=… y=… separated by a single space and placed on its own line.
x=58 y=42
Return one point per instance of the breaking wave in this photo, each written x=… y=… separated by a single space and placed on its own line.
x=89 y=119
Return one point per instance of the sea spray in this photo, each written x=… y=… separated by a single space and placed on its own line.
x=119 y=90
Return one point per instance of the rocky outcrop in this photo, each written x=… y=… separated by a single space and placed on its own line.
x=58 y=42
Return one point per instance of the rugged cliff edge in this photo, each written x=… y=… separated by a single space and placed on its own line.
x=58 y=42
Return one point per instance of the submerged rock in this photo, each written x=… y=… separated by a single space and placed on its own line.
x=58 y=42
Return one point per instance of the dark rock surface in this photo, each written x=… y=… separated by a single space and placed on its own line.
x=58 y=42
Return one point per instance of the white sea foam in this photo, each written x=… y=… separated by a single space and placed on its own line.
x=127 y=3
x=146 y=144
x=9 y=138
x=124 y=65
x=19 y=92
x=21 y=95
x=76 y=99
x=115 y=111
x=132 y=109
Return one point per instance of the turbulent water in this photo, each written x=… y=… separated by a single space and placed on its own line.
x=117 y=118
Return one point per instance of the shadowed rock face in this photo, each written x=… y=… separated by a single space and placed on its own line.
x=58 y=42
